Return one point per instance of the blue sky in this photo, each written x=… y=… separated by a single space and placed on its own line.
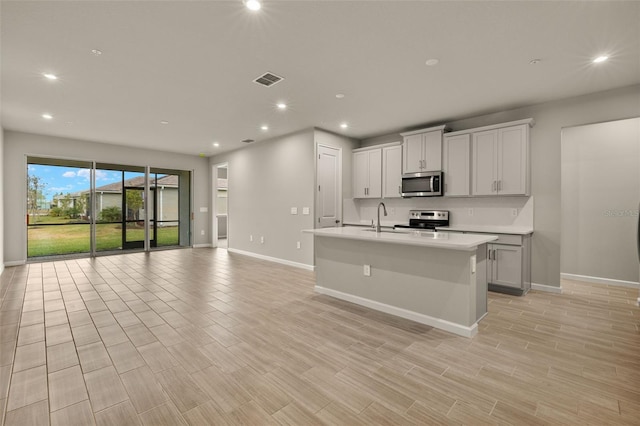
x=71 y=179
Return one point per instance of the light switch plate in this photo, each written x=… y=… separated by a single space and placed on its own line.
x=305 y=210
x=294 y=210
x=204 y=209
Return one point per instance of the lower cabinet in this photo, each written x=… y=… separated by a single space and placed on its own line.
x=509 y=264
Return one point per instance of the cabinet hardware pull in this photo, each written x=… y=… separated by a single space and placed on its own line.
x=399 y=189
x=500 y=185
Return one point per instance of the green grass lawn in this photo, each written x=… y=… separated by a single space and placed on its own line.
x=69 y=239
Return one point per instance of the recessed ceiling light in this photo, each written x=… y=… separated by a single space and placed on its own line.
x=600 y=59
x=253 y=4
x=281 y=105
x=47 y=116
x=96 y=52
x=265 y=127
x=216 y=144
x=534 y=61
x=344 y=125
x=49 y=76
x=340 y=95
x=164 y=122
x=432 y=62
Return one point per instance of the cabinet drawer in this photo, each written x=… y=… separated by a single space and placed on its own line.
x=509 y=239
x=515 y=240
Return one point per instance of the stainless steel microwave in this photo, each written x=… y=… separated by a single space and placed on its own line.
x=423 y=184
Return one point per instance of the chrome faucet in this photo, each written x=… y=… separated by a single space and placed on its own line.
x=384 y=208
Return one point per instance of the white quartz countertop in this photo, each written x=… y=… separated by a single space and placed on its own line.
x=444 y=240
x=488 y=229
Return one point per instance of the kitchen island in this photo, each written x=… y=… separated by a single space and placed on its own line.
x=434 y=278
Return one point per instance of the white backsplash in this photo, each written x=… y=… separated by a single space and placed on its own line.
x=497 y=211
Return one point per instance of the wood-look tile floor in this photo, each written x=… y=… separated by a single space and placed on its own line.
x=205 y=337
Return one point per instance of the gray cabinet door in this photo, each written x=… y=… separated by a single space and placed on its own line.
x=456 y=165
x=506 y=265
x=484 y=180
x=413 y=155
x=512 y=160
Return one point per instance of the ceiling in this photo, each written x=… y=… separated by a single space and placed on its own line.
x=192 y=63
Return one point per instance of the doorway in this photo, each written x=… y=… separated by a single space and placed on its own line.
x=600 y=192
x=220 y=173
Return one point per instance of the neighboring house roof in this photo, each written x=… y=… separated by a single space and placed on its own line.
x=138 y=182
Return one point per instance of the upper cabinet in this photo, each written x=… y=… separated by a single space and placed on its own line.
x=456 y=165
x=422 y=150
x=392 y=171
x=500 y=160
x=367 y=173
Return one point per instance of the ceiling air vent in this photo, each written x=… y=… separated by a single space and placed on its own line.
x=268 y=79
x=248 y=140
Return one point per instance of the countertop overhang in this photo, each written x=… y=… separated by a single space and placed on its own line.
x=442 y=240
x=488 y=229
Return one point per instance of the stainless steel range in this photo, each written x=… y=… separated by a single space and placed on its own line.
x=426 y=220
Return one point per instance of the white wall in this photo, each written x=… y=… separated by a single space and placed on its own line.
x=550 y=118
x=17 y=146
x=1 y=200
x=600 y=196
x=265 y=180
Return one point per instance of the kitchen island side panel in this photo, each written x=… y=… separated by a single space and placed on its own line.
x=428 y=281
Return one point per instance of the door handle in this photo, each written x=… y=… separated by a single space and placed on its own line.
x=337 y=220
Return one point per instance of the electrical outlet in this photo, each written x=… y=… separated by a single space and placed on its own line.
x=367 y=270
x=202 y=232
x=250 y=238
x=261 y=240
x=470 y=212
x=514 y=212
x=298 y=244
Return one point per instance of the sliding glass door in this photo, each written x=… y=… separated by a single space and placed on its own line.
x=105 y=208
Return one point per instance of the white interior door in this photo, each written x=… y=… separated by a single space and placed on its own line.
x=329 y=178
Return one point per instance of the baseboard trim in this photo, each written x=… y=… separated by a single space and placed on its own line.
x=209 y=245
x=599 y=280
x=15 y=263
x=273 y=259
x=547 y=288
x=451 y=327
